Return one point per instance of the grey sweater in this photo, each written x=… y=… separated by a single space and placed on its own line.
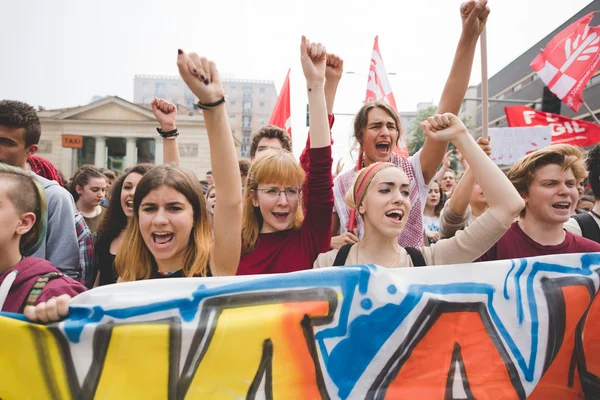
x=60 y=247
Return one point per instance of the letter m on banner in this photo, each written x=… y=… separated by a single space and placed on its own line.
x=570 y=60
x=379 y=88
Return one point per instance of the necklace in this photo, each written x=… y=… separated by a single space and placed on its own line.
x=388 y=265
x=168 y=272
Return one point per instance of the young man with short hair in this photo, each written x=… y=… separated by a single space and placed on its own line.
x=20 y=132
x=269 y=137
x=547 y=181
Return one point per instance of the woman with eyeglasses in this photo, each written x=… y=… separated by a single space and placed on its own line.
x=276 y=236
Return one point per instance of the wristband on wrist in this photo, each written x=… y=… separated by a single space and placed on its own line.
x=168 y=135
x=209 y=106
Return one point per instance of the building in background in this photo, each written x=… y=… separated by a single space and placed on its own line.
x=250 y=102
x=517 y=81
x=115 y=133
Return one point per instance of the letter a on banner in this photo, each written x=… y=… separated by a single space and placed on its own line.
x=282 y=115
x=570 y=60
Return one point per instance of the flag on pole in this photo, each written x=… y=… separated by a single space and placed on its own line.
x=570 y=60
x=564 y=130
x=379 y=88
x=282 y=114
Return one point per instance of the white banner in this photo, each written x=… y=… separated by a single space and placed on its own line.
x=498 y=330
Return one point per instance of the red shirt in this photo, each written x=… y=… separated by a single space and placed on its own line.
x=516 y=244
x=295 y=250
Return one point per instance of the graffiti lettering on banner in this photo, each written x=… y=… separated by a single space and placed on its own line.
x=507 y=329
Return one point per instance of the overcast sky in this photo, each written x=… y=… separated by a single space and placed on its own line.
x=61 y=53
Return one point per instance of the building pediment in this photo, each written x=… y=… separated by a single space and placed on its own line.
x=108 y=109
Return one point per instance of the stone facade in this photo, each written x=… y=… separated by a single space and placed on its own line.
x=118 y=134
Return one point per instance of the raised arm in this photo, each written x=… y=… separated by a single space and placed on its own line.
x=333 y=75
x=503 y=199
x=203 y=79
x=474 y=16
x=313 y=57
x=166 y=114
x=461 y=196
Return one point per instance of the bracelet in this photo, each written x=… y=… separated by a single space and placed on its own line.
x=168 y=135
x=211 y=105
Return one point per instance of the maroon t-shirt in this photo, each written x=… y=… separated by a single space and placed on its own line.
x=516 y=244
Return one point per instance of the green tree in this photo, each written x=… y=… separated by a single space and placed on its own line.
x=415 y=131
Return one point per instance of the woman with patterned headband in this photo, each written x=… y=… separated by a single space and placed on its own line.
x=381 y=195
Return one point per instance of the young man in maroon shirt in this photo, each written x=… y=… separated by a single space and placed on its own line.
x=547 y=181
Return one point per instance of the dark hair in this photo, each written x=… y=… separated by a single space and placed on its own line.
x=272 y=132
x=244 y=165
x=82 y=177
x=362 y=118
x=437 y=210
x=592 y=163
x=15 y=114
x=209 y=172
x=115 y=219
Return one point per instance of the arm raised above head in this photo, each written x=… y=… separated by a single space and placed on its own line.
x=503 y=199
x=166 y=115
x=202 y=77
x=474 y=16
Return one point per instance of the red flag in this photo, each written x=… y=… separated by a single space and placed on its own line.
x=379 y=88
x=570 y=60
x=564 y=130
x=282 y=114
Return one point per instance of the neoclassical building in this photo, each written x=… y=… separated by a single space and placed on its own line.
x=115 y=133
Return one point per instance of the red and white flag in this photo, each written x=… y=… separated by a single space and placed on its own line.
x=379 y=88
x=564 y=130
x=570 y=60
x=282 y=114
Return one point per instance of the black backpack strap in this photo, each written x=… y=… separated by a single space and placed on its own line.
x=416 y=256
x=342 y=254
x=588 y=225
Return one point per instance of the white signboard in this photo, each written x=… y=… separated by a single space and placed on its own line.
x=510 y=144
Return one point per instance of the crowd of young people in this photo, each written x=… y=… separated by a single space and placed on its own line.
x=274 y=214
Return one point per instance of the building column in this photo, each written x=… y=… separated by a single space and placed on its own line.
x=100 y=154
x=158 y=151
x=130 y=152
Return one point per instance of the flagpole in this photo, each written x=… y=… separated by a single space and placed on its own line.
x=591 y=112
x=484 y=84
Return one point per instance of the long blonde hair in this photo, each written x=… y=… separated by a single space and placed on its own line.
x=272 y=166
x=134 y=261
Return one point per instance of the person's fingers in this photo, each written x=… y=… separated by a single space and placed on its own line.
x=448 y=153
x=195 y=66
x=52 y=310
x=433 y=124
x=425 y=125
x=303 y=50
x=62 y=303
x=182 y=59
x=313 y=50
x=445 y=119
x=29 y=312
x=207 y=77
x=40 y=311
x=214 y=72
x=467 y=7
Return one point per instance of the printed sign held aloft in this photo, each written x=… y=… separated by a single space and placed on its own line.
x=510 y=144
